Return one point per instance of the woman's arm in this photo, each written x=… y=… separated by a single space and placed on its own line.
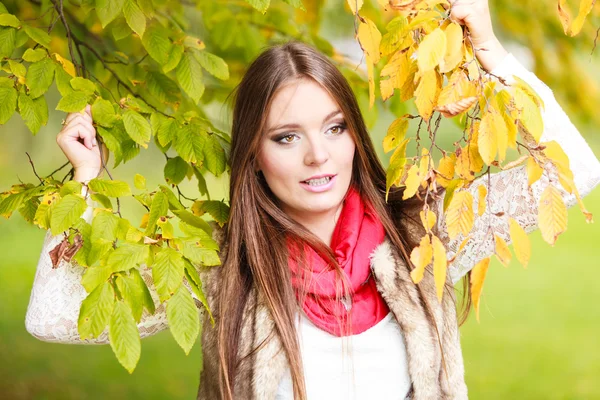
x=57 y=294
x=509 y=191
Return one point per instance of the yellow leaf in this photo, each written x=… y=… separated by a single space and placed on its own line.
x=446 y=170
x=407 y=91
x=431 y=50
x=477 y=278
x=469 y=161
x=559 y=158
x=396 y=38
x=459 y=215
x=481 y=197
x=413 y=180
x=504 y=99
x=369 y=38
x=493 y=136
x=386 y=87
x=144 y=222
x=525 y=87
x=421 y=257
x=534 y=171
x=502 y=251
x=396 y=167
x=370 y=73
x=585 y=7
x=460 y=248
x=424 y=162
x=472 y=66
x=355 y=5
x=454 y=47
x=395 y=134
x=529 y=114
x=440 y=265
x=552 y=214
x=427 y=93
x=428 y=219
x=520 y=242
x=458 y=96
x=66 y=64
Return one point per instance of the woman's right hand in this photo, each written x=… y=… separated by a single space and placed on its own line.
x=77 y=140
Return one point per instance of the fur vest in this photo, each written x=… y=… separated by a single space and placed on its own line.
x=258 y=375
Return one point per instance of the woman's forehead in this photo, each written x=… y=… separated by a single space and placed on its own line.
x=302 y=102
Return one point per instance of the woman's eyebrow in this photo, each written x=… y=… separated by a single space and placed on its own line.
x=295 y=125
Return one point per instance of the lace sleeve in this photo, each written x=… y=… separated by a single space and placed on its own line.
x=57 y=294
x=509 y=191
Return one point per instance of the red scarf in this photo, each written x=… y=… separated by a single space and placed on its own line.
x=357 y=232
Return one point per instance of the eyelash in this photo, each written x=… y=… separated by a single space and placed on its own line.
x=279 y=139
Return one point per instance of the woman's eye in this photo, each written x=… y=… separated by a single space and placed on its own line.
x=337 y=129
x=287 y=139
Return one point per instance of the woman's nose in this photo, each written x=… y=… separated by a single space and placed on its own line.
x=317 y=152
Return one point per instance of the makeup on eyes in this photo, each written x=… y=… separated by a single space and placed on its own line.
x=341 y=125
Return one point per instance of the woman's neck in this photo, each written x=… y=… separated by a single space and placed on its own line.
x=321 y=225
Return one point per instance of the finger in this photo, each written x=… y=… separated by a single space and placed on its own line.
x=80 y=120
x=82 y=131
x=73 y=118
x=88 y=111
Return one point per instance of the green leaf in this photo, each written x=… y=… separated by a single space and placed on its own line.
x=156 y=42
x=147 y=300
x=260 y=5
x=66 y=212
x=191 y=274
x=190 y=144
x=71 y=187
x=63 y=81
x=103 y=200
x=80 y=257
x=202 y=186
x=120 y=29
x=167 y=272
x=135 y=17
x=110 y=188
x=296 y=4
x=174 y=203
x=190 y=77
x=38 y=35
x=167 y=131
x=29 y=209
x=183 y=318
x=139 y=182
x=137 y=127
x=94 y=276
x=34 y=55
x=108 y=10
x=7 y=41
x=8 y=103
x=127 y=256
x=9 y=20
x=104 y=113
x=199 y=255
x=73 y=102
x=39 y=77
x=95 y=311
x=215 y=65
x=175 y=170
x=104 y=226
x=159 y=208
x=174 y=58
x=193 y=220
x=17 y=68
x=162 y=87
x=214 y=156
x=124 y=336
x=83 y=85
x=33 y=111
x=131 y=293
x=217 y=209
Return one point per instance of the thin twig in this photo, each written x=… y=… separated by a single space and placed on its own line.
x=59 y=9
x=33 y=167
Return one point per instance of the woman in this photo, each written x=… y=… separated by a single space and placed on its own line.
x=307 y=194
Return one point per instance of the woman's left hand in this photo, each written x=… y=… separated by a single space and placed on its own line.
x=475 y=15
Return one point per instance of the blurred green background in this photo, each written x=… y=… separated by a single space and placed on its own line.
x=539 y=332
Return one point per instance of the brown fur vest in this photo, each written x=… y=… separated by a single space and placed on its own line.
x=259 y=375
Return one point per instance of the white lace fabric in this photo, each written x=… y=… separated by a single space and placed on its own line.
x=509 y=191
x=57 y=294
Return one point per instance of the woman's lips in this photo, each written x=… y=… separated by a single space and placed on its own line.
x=319 y=188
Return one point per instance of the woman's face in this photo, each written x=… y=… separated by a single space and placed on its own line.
x=306 y=151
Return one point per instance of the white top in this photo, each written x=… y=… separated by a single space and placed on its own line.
x=370 y=365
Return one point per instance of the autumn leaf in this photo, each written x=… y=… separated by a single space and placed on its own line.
x=64 y=251
x=481 y=199
x=432 y=50
x=520 y=242
x=440 y=265
x=552 y=214
x=421 y=257
x=369 y=38
x=427 y=93
x=477 y=279
x=395 y=134
x=459 y=215
x=502 y=251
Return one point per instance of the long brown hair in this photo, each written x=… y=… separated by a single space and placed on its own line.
x=257 y=227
